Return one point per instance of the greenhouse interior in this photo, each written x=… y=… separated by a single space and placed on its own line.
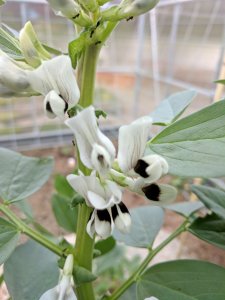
x=119 y=193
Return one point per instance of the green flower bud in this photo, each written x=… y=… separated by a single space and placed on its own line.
x=90 y=5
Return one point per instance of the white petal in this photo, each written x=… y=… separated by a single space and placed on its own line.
x=100 y=158
x=132 y=142
x=161 y=194
x=91 y=226
x=79 y=184
x=151 y=298
x=68 y=266
x=54 y=105
x=114 y=189
x=155 y=158
x=123 y=220
x=97 y=201
x=87 y=134
x=154 y=171
x=53 y=294
x=12 y=76
x=56 y=74
x=103 y=228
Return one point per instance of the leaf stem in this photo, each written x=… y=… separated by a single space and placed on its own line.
x=35 y=235
x=134 y=277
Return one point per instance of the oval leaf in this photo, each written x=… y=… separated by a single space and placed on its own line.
x=185 y=209
x=30 y=271
x=172 y=107
x=9 y=237
x=195 y=146
x=183 y=280
x=210 y=229
x=213 y=198
x=146 y=223
x=21 y=176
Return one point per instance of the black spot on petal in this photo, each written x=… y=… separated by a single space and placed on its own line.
x=114 y=212
x=48 y=107
x=140 y=168
x=152 y=192
x=104 y=215
x=123 y=208
x=66 y=106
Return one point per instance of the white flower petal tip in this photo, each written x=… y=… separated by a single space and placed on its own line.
x=121 y=217
x=53 y=294
x=103 y=223
x=132 y=142
x=160 y=194
x=90 y=140
x=67 y=8
x=54 y=105
x=152 y=167
x=56 y=74
x=68 y=266
x=100 y=158
x=151 y=298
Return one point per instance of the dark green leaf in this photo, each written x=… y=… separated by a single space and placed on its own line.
x=105 y=246
x=100 y=113
x=185 y=209
x=62 y=186
x=21 y=176
x=9 y=236
x=172 y=107
x=82 y=275
x=146 y=223
x=30 y=271
x=194 y=146
x=210 y=229
x=213 y=198
x=65 y=215
x=183 y=280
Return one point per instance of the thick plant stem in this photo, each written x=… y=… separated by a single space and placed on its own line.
x=134 y=277
x=35 y=235
x=84 y=244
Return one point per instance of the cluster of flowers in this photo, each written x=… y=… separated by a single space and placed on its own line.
x=102 y=189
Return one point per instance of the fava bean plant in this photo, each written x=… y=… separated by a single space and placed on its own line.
x=89 y=202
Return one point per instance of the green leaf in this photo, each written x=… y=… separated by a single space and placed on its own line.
x=210 y=229
x=185 y=209
x=9 y=237
x=26 y=208
x=30 y=271
x=146 y=223
x=82 y=275
x=170 y=109
x=213 y=198
x=62 y=186
x=105 y=246
x=10 y=45
x=65 y=215
x=222 y=81
x=21 y=176
x=194 y=146
x=130 y=293
x=183 y=280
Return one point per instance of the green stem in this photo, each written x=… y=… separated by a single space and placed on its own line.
x=134 y=277
x=35 y=235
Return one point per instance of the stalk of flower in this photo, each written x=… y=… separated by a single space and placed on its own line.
x=96 y=150
x=105 y=198
x=64 y=289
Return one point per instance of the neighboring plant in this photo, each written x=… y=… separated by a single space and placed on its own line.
x=89 y=201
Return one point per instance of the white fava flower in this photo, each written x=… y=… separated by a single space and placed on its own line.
x=131 y=148
x=138 y=7
x=55 y=79
x=96 y=150
x=64 y=290
x=13 y=79
x=102 y=222
x=96 y=194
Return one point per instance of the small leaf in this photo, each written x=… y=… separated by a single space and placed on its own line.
x=183 y=280
x=82 y=275
x=146 y=223
x=185 y=209
x=65 y=215
x=210 y=229
x=9 y=236
x=77 y=199
x=213 y=198
x=62 y=186
x=100 y=113
x=105 y=246
x=21 y=176
x=30 y=271
x=10 y=45
x=194 y=146
x=172 y=107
